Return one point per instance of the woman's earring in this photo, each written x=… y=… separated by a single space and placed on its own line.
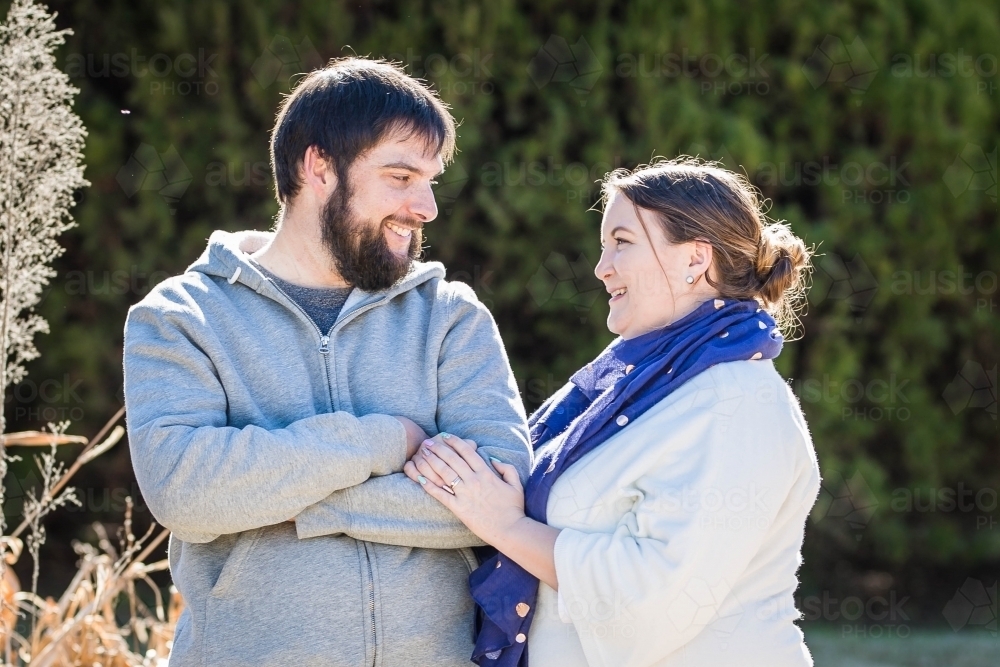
x=689 y=279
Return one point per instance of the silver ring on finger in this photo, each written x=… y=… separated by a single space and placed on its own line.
x=455 y=482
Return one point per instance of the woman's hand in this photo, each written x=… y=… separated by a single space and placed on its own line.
x=418 y=466
x=456 y=475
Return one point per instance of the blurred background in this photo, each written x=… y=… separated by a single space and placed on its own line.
x=871 y=126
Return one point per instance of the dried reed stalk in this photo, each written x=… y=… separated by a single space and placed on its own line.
x=82 y=627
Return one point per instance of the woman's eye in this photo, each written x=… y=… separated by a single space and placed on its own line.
x=620 y=241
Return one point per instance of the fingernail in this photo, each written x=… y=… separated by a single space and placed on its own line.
x=429 y=443
x=423 y=480
x=445 y=435
x=495 y=460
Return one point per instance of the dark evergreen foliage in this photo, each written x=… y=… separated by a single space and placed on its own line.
x=872 y=126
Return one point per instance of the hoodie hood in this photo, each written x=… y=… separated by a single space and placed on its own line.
x=228 y=256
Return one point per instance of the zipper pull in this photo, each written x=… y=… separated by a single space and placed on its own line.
x=324 y=345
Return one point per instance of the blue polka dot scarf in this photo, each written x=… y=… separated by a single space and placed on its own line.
x=612 y=391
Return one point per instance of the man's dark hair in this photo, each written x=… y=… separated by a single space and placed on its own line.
x=348 y=107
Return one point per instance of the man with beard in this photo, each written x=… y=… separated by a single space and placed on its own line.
x=292 y=375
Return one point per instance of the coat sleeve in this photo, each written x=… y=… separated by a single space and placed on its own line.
x=477 y=400
x=202 y=478
x=697 y=518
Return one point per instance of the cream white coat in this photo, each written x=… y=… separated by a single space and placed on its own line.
x=682 y=534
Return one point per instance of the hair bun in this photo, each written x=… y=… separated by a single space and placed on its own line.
x=782 y=259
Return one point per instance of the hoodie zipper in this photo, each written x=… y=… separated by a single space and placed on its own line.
x=371 y=603
x=368 y=555
x=324 y=349
x=324 y=340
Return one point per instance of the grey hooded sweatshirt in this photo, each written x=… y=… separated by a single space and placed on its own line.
x=242 y=414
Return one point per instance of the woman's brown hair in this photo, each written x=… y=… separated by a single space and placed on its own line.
x=754 y=257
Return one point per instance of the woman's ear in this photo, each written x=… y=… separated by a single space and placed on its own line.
x=701 y=258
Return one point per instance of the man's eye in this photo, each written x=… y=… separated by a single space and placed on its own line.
x=402 y=179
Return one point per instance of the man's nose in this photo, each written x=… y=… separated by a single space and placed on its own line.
x=424 y=207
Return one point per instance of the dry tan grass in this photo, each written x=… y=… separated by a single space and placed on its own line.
x=81 y=627
x=100 y=619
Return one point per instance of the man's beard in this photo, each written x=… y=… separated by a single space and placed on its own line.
x=358 y=247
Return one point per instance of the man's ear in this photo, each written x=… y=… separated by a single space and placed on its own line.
x=318 y=174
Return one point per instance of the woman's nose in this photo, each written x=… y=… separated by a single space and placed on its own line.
x=605 y=268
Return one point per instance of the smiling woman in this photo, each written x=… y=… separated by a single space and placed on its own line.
x=639 y=266
x=708 y=237
x=642 y=537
